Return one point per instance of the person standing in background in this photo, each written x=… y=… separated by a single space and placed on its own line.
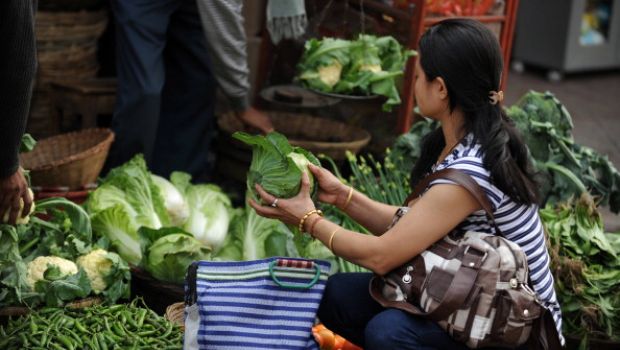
x=18 y=67
x=222 y=22
x=166 y=88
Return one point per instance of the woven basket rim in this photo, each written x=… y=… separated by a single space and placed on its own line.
x=222 y=123
x=175 y=313
x=78 y=156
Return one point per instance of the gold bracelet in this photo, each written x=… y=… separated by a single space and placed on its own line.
x=303 y=219
x=349 y=196
x=331 y=240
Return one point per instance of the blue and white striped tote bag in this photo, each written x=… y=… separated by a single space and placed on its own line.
x=260 y=304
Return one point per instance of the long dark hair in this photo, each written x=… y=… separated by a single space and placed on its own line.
x=467 y=56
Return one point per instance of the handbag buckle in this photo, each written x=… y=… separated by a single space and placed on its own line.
x=407 y=277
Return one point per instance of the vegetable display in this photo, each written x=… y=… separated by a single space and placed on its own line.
x=254 y=237
x=569 y=168
x=38 y=259
x=366 y=66
x=586 y=265
x=276 y=165
x=98 y=327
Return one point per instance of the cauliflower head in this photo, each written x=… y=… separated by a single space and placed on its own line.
x=330 y=75
x=20 y=219
x=97 y=265
x=375 y=68
x=38 y=266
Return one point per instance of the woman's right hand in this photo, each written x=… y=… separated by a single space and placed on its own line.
x=331 y=189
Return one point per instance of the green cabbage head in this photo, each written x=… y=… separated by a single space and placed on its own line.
x=170 y=256
x=276 y=165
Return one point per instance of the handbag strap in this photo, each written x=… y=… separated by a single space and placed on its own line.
x=466 y=182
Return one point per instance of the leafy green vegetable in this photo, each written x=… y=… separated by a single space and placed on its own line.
x=175 y=204
x=366 y=66
x=586 y=265
x=122 y=232
x=27 y=143
x=209 y=215
x=170 y=256
x=132 y=184
x=254 y=237
x=276 y=165
x=569 y=169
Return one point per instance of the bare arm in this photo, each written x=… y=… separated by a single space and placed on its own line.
x=435 y=214
x=373 y=215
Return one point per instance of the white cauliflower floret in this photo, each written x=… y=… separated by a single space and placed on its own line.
x=20 y=219
x=97 y=266
x=375 y=68
x=38 y=266
x=330 y=75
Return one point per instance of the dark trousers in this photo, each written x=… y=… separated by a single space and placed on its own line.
x=166 y=91
x=348 y=310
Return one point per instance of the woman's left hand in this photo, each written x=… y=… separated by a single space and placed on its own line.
x=289 y=211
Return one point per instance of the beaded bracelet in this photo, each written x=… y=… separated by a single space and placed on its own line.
x=303 y=219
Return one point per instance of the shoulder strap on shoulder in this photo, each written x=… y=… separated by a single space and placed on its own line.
x=462 y=179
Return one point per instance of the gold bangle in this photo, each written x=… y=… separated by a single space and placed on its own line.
x=331 y=240
x=349 y=196
x=303 y=219
x=311 y=231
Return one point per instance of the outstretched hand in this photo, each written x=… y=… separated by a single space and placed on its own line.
x=13 y=189
x=256 y=119
x=289 y=211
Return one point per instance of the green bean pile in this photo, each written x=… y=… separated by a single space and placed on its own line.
x=97 y=328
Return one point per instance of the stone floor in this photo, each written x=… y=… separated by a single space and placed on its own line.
x=593 y=100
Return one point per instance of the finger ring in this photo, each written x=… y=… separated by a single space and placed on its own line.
x=275 y=203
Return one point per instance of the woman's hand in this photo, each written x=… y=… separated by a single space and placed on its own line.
x=331 y=189
x=289 y=211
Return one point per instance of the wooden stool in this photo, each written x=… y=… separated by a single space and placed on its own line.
x=88 y=98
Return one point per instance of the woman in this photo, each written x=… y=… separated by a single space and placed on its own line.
x=457 y=75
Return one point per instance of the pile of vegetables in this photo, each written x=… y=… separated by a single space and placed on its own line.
x=129 y=326
x=55 y=261
x=163 y=225
x=586 y=264
x=158 y=224
x=366 y=66
x=569 y=168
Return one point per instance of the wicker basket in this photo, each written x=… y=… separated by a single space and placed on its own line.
x=318 y=135
x=175 y=313
x=73 y=159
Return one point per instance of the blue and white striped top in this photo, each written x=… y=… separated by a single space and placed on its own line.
x=517 y=222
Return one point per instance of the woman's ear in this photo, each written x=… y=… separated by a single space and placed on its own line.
x=440 y=88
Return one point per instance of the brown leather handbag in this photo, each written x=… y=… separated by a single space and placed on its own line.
x=475 y=286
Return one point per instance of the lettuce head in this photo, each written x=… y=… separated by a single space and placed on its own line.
x=276 y=165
